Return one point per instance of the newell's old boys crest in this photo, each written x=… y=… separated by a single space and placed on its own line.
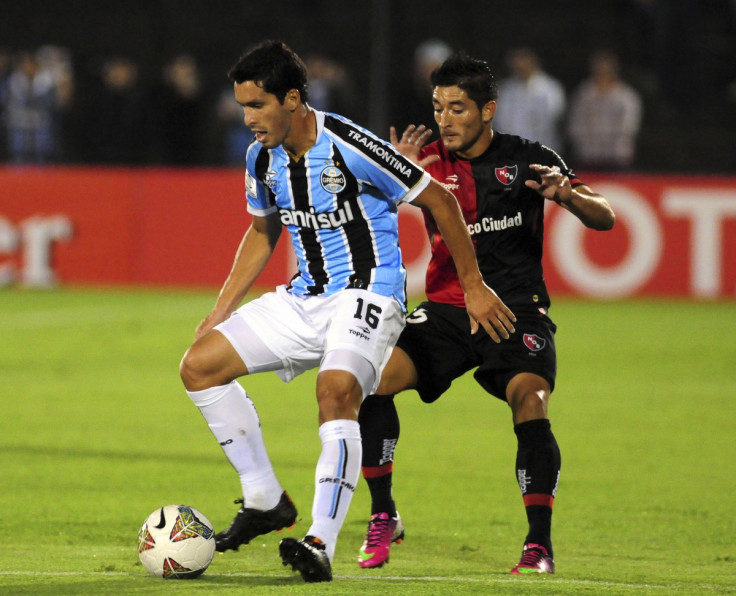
x=332 y=179
x=507 y=174
x=534 y=342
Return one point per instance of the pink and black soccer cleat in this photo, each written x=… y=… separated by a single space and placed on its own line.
x=382 y=531
x=534 y=559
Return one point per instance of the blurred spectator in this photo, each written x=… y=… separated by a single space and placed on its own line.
x=235 y=135
x=330 y=88
x=531 y=103
x=33 y=97
x=57 y=62
x=5 y=64
x=414 y=105
x=177 y=113
x=112 y=116
x=604 y=117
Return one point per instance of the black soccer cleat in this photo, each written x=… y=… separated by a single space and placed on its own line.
x=308 y=557
x=249 y=523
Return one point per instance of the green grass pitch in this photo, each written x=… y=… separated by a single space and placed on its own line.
x=96 y=432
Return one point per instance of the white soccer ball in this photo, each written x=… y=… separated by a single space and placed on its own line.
x=176 y=542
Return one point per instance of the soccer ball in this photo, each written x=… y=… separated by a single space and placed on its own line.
x=176 y=542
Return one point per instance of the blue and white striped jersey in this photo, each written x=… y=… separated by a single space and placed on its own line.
x=339 y=203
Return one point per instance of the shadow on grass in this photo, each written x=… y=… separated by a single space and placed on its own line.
x=127 y=456
x=134 y=584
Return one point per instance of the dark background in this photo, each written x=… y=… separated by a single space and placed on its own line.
x=679 y=54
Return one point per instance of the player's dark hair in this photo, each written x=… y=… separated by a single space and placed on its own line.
x=472 y=75
x=273 y=66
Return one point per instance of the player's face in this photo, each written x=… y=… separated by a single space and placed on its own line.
x=269 y=119
x=465 y=129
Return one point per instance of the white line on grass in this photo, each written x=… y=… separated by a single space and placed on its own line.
x=408 y=578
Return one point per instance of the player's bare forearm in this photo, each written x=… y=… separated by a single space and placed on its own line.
x=484 y=306
x=589 y=207
x=446 y=213
x=251 y=258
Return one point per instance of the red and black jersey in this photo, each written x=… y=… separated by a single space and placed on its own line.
x=505 y=219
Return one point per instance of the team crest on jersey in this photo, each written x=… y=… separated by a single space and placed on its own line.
x=534 y=342
x=270 y=179
x=507 y=174
x=332 y=179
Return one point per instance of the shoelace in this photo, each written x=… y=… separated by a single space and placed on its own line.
x=376 y=530
x=531 y=556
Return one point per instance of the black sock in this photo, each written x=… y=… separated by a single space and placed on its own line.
x=379 y=429
x=537 y=472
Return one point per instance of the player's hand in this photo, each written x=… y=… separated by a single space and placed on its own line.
x=411 y=142
x=554 y=185
x=486 y=309
x=208 y=323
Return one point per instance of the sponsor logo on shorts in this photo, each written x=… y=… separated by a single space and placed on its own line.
x=361 y=333
x=507 y=174
x=332 y=179
x=534 y=342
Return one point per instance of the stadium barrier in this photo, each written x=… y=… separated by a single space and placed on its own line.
x=674 y=236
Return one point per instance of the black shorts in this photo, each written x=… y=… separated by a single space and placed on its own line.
x=438 y=340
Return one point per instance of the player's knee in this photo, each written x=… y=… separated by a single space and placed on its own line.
x=209 y=362
x=338 y=395
x=187 y=371
x=343 y=369
x=194 y=370
x=530 y=405
x=528 y=396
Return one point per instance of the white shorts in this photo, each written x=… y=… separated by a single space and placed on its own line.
x=291 y=334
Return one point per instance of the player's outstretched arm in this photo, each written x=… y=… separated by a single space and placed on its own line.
x=589 y=207
x=484 y=306
x=252 y=256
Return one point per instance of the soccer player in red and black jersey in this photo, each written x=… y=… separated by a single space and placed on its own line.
x=501 y=182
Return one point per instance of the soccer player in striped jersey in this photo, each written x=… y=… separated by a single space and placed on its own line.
x=501 y=182
x=335 y=187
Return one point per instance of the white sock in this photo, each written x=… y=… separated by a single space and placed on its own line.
x=338 y=471
x=232 y=418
